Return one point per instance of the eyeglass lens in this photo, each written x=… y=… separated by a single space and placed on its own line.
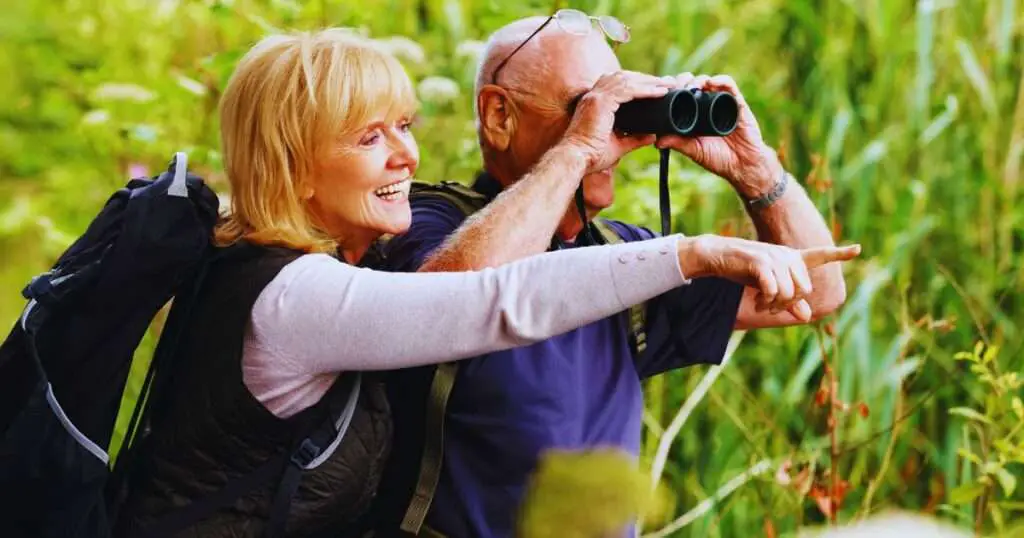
x=614 y=28
x=577 y=22
x=573 y=21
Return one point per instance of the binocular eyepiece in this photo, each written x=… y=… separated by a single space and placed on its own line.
x=686 y=112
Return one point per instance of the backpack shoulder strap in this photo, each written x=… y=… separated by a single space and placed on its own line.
x=320 y=436
x=464 y=198
x=468 y=202
x=638 y=312
x=338 y=406
x=433 y=448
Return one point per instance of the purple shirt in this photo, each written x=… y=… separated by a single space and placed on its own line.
x=580 y=389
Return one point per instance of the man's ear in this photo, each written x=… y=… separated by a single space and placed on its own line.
x=497 y=117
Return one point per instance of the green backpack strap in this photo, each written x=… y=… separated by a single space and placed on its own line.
x=468 y=201
x=464 y=198
x=637 y=313
x=433 y=448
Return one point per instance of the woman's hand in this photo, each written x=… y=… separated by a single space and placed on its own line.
x=778 y=272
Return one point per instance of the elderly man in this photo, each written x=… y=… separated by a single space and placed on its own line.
x=545 y=103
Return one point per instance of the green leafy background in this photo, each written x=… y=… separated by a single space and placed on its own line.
x=905 y=121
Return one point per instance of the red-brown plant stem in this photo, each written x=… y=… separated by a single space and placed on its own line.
x=833 y=401
x=833 y=426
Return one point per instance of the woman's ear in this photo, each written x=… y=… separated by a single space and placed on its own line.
x=497 y=117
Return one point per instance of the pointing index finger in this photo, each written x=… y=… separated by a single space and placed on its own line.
x=813 y=257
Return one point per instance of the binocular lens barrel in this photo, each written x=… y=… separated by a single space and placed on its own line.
x=689 y=112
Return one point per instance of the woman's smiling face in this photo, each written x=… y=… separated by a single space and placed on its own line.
x=316 y=141
x=361 y=182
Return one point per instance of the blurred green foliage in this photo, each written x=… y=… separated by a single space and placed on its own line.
x=587 y=495
x=905 y=121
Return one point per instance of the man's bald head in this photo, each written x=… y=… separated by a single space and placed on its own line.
x=525 y=112
x=553 y=66
x=501 y=44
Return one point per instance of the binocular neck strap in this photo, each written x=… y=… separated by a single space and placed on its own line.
x=585 y=237
x=663 y=196
x=666 y=210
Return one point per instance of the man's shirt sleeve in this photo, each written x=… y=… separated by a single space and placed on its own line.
x=687 y=325
x=433 y=220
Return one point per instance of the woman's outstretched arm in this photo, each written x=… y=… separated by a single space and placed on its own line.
x=319 y=315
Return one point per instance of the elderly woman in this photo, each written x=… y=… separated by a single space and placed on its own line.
x=317 y=146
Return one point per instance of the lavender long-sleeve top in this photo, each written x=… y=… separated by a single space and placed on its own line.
x=319 y=317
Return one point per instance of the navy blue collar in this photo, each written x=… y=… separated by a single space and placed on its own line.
x=487 y=185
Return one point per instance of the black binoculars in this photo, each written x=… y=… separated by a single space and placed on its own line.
x=686 y=112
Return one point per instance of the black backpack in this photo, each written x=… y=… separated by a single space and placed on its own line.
x=415 y=467
x=64 y=365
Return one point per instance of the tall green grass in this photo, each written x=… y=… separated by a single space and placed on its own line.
x=905 y=121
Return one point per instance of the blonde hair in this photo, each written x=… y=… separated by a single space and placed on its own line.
x=290 y=97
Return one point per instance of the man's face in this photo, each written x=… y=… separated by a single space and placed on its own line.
x=574 y=63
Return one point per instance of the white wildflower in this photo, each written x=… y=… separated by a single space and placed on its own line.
x=438 y=90
x=165 y=9
x=53 y=236
x=145 y=132
x=403 y=48
x=470 y=50
x=359 y=31
x=192 y=85
x=113 y=91
x=97 y=116
x=87 y=26
x=16 y=215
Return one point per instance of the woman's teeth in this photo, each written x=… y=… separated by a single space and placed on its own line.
x=395 y=191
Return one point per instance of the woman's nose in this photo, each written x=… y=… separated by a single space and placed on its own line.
x=404 y=153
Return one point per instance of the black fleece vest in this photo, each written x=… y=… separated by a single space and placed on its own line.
x=211 y=429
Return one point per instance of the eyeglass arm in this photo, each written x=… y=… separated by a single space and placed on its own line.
x=494 y=78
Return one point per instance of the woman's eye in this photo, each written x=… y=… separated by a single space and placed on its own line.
x=370 y=138
x=405 y=126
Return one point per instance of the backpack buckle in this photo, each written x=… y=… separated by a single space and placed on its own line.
x=306 y=453
x=39 y=287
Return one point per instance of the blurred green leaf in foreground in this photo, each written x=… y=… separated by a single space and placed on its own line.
x=587 y=495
